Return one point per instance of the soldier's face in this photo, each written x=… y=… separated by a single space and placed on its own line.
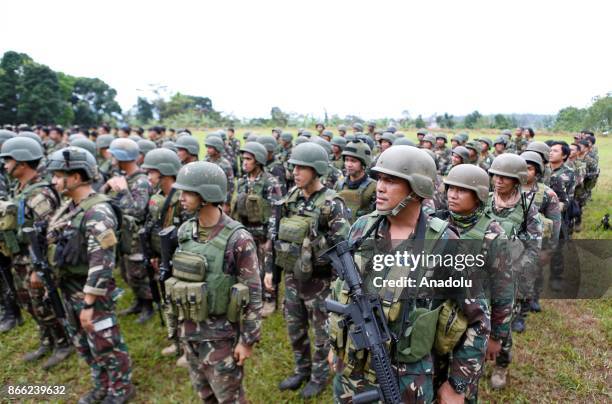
x=460 y=200
x=427 y=145
x=211 y=151
x=390 y=191
x=336 y=149
x=190 y=201
x=573 y=151
x=454 y=143
x=518 y=132
x=531 y=173
x=503 y=185
x=420 y=137
x=499 y=147
x=248 y=162
x=484 y=147
x=440 y=142
x=384 y=145
x=62 y=182
x=154 y=177
x=456 y=160
x=352 y=165
x=556 y=154
x=55 y=136
x=10 y=165
x=182 y=154
x=302 y=176
x=472 y=153
x=105 y=153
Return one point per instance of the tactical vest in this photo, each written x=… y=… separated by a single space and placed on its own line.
x=299 y=240
x=199 y=286
x=69 y=252
x=357 y=200
x=129 y=243
x=8 y=229
x=21 y=200
x=415 y=340
x=338 y=163
x=512 y=222
x=156 y=204
x=547 y=224
x=251 y=204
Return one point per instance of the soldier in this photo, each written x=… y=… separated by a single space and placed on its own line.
x=103 y=157
x=276 y=132
x=428 y=142
x=333 y=175
x=528 y=134
x=342 y=130
x=499 y=145
x=547 y=204
x=420 y=136
x=510 y=146
x=443 y=153
x=320 y=127
x=5 y=180
x=285 y=144
x=437 y=206
x=84 y=143
x=233 y=142
x=256 y=194
x=216 y=260
x=327 y=135
x=55 y=140
x=544 y=151
x=520 y=143
x=357 y=189
x=467 y=191
x=521 y=221
x=405 y=177
x=313 y=218
x=338 y=144
x=473 y=147
x=589 y=155
x=88 y=225
x=357 y=128
x=131 y=192
x=36 y=201
x=459 y=155
x=371 y=129
x=145 y=146
x=485 y=157
x=580 y=169
x=562 y=181
x=187 y=149
x=214 y=154
x=155 y=135
x=125 y=131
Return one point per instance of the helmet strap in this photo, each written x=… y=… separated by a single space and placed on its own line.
x=403 y=203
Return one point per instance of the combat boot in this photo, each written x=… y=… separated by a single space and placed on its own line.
x=10 y=320
x=135 y=308
x=498 y=377
x=293 y=382
x=147 y=311
x=518 y=324
x=534 y=305
x=96 y=395
x=59 y=354
x=129 y=394
x=313 y=389
x=37 y=354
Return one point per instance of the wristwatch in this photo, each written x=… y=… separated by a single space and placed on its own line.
x=459 y=386
x=87 y=306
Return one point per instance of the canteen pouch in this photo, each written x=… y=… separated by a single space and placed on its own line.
x=451 y=327
x=188 y=266
x=418 y=338
x=196 y=299
x=291 y=234
x=239 y=298
x=254 y=206
x=178 y=295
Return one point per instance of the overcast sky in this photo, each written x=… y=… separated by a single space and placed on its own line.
x=372 y=59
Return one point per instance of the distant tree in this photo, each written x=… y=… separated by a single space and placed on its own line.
x=598 y=116
x=144 y=110
x=279 y=118
x=11 y=72
x=500 y=121
x=570 y=119
x=40 y=99
x=445 y=121
x=93 y=101
x=419 y=122
x=471 y=120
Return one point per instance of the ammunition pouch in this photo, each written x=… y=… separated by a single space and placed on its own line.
x=451 y=327
x=239 y=298
x=188 y=266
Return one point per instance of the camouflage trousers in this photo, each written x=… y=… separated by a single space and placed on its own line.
x=32 y=299
x=304 y=307
x=504 y=358
x=415 y=386
x=265 y=259
x=104 y=350
x=135 y=275
x=213 y=371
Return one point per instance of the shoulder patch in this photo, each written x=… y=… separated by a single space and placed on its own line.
x=107 y=238
x=436 y=224
x=40 y=205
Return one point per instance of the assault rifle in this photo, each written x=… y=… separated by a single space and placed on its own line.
x=145 y=246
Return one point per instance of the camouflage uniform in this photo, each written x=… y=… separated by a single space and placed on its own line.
x=592 y=172
x=51 y=146
x=562 y=181
x=226 y=166
x=444 y=158
x=36 y=203
x=332 y=177
x=485 y=161
x=209 y=344
x=520 y=144
x=90 y=228
x=359 y=196
x=133 y=203
x=304 y=299
x=277 y=169
x=415 y=377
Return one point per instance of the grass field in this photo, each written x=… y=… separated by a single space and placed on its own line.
x=563 y=357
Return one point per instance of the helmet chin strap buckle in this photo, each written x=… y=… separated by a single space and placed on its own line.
x=403 y=203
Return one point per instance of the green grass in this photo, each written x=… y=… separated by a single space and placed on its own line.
x=563 y=357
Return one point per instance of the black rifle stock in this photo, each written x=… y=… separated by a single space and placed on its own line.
x=8 y=293
x=168 y=243
x=143 y=238
x=41 y=266
x=369 y=326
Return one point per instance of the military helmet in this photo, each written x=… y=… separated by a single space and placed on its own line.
x=442 y=136
x=535 y=158
x=342 y=128
x=31 y=135
x=135 y=138
x=539 y=147
x=277 y=130
x=146 y=145
x=510 y=165
x=75 y=136
x=251 y=137
x=500 y=139
x=430 y=138
x=398 y=135
x=21 y=149
x=268 y=141
x=388 y=136
x=84 y=143
x=464 y=137
x=104 y=141
x=182 y=133
x=372 y=123
x=257 y=150
x=402 y=141
x=462 y=152
x=206 y=179
x=188 y=143
x=339 y=141
x=163 y=160
x=366 y=138
x=306 y=133
x=286 y=136
x=124 y=149
x=474 y=145
x=411 y=164
x=457 y=138
x=422 y=132
x=359 y=150
x=350 y=137
x=323 y=143
x=215 y=142
x=73 y=158
x=486 y=140
x=391 y=129
x=169 y=144
x=5 y=135
x=222 y=134
x=310 y=154
x=506 y=132
x=471 y=177
x=300 y=140
x=357 y=126
x=319 y=123
x=327 y=133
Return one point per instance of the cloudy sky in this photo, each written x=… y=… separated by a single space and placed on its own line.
x=367 y=58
